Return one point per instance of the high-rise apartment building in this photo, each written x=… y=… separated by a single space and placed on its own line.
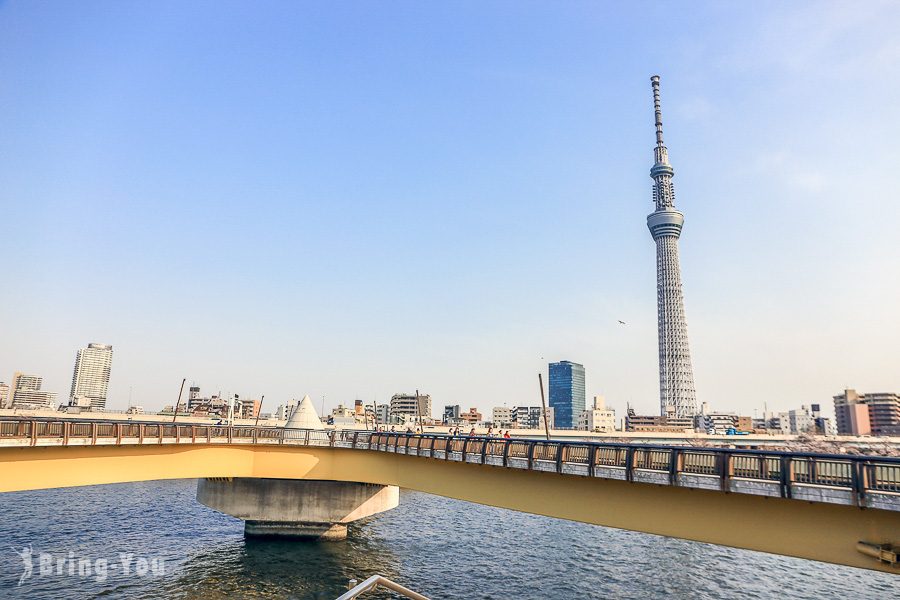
x=90 y=379
x=676 y=375
x=5 y=401
x=880 y=415
x=566 y=393
x=26 y=393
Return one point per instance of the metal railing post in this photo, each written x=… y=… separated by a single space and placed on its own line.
x=725 y=479
x=560 y=448
x=66 y=433
x=33 y=433
x=118 y=427
x=506 y=452
x=592 y=459
x=676 y=459
x=531 y=446
x=859 y=481
x=93 y=434
x=629 y=464
x=787 y=476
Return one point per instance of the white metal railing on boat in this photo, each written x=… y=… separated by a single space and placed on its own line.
x=375 y=581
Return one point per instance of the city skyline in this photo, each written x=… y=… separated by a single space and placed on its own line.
x=407 y=212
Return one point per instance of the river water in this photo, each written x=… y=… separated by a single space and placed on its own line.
x=442 y=548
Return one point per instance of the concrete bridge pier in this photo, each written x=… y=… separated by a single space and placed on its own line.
x=293 y=508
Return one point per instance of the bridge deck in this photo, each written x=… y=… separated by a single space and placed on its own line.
x=808 y=505
x=865 y=481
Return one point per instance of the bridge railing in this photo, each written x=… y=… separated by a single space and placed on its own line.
x=862 y=480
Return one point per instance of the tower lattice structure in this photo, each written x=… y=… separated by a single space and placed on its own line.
x=676 y=376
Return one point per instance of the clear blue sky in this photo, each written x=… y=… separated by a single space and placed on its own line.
x=356 y=199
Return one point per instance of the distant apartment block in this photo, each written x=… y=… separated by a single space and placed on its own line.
x=716 y=423
x=404 y=406
x=473 y=417
x=90 y=379
x=529 y=417
x=501 y=416
x=451 y=414
x=26 y=393
x=867 y=414
x=249 y=408
x=598 y=418
x=382 y=414
x=5 y=401
x=218 y=406
x=566 y=393
x=284 y=411
x=665 y=423
x=344 y=416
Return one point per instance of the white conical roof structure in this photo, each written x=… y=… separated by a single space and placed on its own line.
x=305 y=416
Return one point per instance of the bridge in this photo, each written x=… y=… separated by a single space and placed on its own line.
x=842 y=509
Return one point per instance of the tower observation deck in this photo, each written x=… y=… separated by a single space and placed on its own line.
x=676 y=376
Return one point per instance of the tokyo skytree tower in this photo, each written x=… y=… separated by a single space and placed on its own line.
x=676 y=376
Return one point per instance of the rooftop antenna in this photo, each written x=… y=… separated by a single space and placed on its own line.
x=662 y=155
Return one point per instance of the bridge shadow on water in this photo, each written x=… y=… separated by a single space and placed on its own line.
x=259 y=568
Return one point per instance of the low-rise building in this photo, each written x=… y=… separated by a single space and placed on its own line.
x=249 y=408
x=26 y=393
x=598 y=418
x=284 y=411
x=473 y=417
x=4 y=395
x=657 y=423
x=382 y=414
x=802 y=420
x=451 y=414
x=529 y=417
x=501 y=416
x=745 y=423
x=715 y=423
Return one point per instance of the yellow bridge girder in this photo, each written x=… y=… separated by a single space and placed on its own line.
x=809 y=530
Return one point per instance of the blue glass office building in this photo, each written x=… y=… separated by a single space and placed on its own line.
x=566 y=393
